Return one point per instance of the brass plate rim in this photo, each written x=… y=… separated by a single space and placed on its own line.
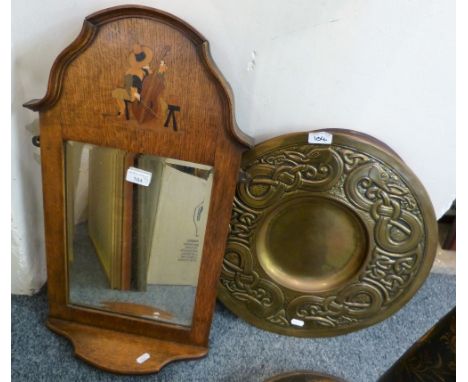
x=383 y=153
x=316 y=376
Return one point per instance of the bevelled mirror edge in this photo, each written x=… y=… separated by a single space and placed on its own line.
x=128 y=214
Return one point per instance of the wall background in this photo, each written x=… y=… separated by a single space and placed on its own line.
x=386 y=68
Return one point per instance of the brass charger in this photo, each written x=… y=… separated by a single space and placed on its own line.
x=325 y=238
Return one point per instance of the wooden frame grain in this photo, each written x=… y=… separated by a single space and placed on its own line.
x=220 y=147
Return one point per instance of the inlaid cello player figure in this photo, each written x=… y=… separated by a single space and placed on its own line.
x=139 y=60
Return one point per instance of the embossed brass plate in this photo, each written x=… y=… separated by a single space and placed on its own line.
x=325 y=239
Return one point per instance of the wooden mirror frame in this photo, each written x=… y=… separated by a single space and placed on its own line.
x=206 y=135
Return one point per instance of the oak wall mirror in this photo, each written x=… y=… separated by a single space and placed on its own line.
x=140 y=155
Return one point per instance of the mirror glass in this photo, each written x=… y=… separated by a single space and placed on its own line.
x=135 y=229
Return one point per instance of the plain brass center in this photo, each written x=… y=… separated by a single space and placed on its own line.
x=311 y=244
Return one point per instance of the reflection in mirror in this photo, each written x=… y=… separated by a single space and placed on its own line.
x=135 y=237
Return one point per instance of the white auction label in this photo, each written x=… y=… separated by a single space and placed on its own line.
x=143 y=358
x=320 y=138
x=297 y=322
x=138 y=176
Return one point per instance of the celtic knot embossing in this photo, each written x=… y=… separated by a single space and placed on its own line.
x=352 y=159
x=345 y=308
x=276 y=174
x=392 y=272
x=279 y=318
x=383 y=200
x=261 y=296
x=377 y=191
x=242 y=221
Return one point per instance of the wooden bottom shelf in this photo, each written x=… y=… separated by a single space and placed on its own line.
x=119 y=352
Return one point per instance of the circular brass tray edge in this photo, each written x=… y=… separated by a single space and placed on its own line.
x=314 y=374
x=379 y=153
x=244 y=314
x=301 y=137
